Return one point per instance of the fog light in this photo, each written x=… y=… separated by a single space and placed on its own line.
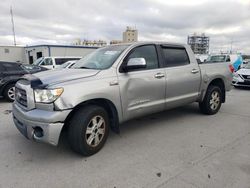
x=38 y=132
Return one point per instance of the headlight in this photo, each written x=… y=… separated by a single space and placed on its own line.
x=47 y=95
x=236 y=75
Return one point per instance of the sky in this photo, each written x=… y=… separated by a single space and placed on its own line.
x=226 y=22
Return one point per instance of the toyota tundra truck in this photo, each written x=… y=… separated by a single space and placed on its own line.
x=112 y=85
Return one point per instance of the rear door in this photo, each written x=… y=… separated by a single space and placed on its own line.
x=182 y=76
x=142 y=91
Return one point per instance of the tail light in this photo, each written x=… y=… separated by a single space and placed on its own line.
x=231 y=68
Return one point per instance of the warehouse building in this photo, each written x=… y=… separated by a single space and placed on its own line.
x=30 y=54
x=12 y=54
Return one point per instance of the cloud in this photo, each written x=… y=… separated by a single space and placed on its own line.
x=64 y=21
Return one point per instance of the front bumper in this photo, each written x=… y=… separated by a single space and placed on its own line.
x=50 y=123
x=240 y=82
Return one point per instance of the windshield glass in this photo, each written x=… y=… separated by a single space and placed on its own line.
x=102 y=58
x=246 y=66
x=64 y=65
x=30 y=67
x=38 y=61
x=216 y=58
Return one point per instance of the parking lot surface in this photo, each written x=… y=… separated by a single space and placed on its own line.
x=176 y=148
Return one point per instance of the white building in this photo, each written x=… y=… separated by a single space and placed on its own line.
x=130 y=35
x=29 y=54
x=12 y=54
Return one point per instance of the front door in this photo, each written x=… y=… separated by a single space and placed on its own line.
x=142 y=91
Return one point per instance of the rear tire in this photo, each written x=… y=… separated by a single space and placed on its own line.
x=88 y=130
x=212 y=101
x=9 y=92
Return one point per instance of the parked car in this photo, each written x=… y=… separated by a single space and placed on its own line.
x=235 y=59
x=53 y=62
x=112 y=85
x=10 y=73
x=242 y=77
x=246 y=59
x=67 y=64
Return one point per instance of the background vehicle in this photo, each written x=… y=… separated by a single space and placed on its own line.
x=67 y=64
x=242 y=77
x=246 y=59
x=10 y=73
x=235 y=59
x=201 y=57
x=112 y=85
x=53 y=62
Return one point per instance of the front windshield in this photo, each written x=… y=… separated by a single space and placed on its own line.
x=216 y=58
x=64 y=65
x=102 y=58
x=247 y=66
x=38 y=61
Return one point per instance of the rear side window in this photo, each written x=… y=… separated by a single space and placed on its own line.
x=11 y=67
x=1 y=67
x=175 y=57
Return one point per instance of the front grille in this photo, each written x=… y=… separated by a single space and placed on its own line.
x=21 y=96
x=247 y=77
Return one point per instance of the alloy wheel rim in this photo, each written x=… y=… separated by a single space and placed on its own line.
x=215 y=100
x=95 y=131
x=11 y=93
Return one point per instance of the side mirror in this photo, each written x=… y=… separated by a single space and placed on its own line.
x=135 y=63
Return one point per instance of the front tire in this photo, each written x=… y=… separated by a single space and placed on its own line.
x=212 y=101
x=9 y=92
x=88 y=130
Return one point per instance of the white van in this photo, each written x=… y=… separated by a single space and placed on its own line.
x=53 y=62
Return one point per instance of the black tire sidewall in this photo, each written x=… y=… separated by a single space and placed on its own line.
x=6 y=89
x=78 y=126
x=207 y=99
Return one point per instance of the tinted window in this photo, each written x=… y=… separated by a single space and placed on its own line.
x=148 y=53
x=175 y=57
x=1 y=67
x=11 y=67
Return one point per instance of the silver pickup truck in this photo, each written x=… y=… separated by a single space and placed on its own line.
x=112 y=85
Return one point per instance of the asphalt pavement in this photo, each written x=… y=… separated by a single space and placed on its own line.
x=177 y=148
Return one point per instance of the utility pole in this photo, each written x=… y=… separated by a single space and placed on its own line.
x=13 y=26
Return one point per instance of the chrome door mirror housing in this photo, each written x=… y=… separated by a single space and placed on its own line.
x=135 y=63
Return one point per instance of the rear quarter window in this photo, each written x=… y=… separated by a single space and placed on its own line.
x=175 y=56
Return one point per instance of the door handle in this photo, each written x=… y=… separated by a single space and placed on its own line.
x=194 y=71
x=159 y=75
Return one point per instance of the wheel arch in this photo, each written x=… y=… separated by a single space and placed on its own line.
x=220 y=83
x=106 y=104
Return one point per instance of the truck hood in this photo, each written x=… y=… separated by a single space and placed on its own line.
x=62 y=75
x=244 y=71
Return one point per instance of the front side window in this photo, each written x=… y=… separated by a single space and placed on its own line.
x=175 y=56
x=148 y=52
x=47 y=61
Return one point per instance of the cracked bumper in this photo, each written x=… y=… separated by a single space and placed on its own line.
x=50 y=122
